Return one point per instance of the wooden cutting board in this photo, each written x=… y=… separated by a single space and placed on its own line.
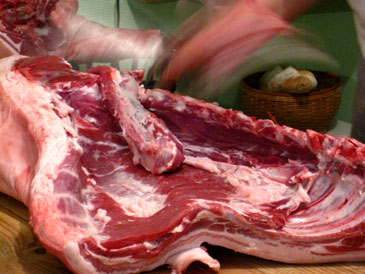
x=22 y=253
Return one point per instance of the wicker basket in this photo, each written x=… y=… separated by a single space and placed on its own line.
x=313 y=110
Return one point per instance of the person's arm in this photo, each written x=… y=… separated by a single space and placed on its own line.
x=232 y=35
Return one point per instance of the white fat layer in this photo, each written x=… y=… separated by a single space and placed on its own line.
x=159 y=97
x=48 y=129
x=42 y=31
x=180 y=106
x=329 y=210
x=101 y=215
x=182 y=260
x=138 y=199
x=150 y=245
x=93 y=91
x=261 y=246
x=202 y=163
x=72 y=254
x=115 y=147
x=201 y=149
x=254 y=187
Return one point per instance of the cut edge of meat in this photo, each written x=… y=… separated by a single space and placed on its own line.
x=153 y=145
x=54 y=139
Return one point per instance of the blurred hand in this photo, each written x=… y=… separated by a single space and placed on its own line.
x=44 y=27
x=219 y=39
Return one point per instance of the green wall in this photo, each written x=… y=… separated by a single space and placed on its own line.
x=331 y=22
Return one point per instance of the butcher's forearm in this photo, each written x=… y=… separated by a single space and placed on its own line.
x=92 y=42
x=289 y=9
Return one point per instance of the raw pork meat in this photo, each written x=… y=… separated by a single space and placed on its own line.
x=249 y=185
x=41 y=27
x=151 y=142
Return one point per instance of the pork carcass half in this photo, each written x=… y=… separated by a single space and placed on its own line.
x=245 y=184
x=43 y=27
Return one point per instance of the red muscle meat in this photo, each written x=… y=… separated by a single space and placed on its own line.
x=151 y=142
x=245 y=184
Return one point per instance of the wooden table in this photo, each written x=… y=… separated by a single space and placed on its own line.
x=22 y=253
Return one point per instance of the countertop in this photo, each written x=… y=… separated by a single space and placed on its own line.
x=340 y=129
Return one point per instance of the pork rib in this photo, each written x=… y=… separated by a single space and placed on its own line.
x=245 y=184
x=151 y=142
